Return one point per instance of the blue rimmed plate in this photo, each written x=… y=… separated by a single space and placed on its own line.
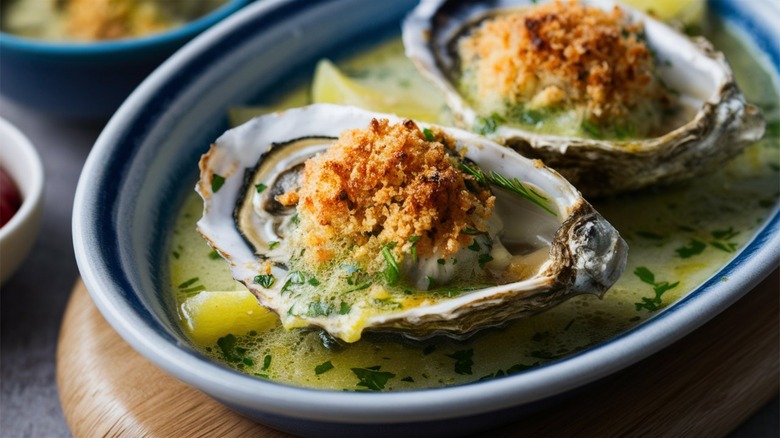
x=145 y=161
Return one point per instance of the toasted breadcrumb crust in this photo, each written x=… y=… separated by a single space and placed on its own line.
x=94 y=20
x=387 y=184
x=561 y=55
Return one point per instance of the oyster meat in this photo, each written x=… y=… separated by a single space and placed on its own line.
x=348 y=220
x=611 y=98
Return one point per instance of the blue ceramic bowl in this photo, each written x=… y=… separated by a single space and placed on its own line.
x=145 y=161
x=89 y=80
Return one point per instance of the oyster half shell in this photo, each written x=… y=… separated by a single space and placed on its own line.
x=569 y=250
x=718 y=126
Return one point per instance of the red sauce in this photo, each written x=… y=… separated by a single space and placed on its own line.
x=10 y=198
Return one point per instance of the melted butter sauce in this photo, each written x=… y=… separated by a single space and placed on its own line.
x=678 y=236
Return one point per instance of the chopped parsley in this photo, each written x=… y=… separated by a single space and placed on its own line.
x=694 y=247
x=413 y=240
x=372 y=378
x=230 y=349
x=484 y=259
x=216 y=182
x=428 y=134
x=591 y=129
x=319 y=308
x=273 y=244
x=266 y=362
x=392 y=271
x=323 y=367
x=214 y=255
x=474 y=245
x=463 y=361
x=647 y=276
x=294 y=277
x=265 y=280
x=487 y=125
x=260 y=187
x=189 y=283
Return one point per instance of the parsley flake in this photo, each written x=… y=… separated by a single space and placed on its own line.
x=216 y=182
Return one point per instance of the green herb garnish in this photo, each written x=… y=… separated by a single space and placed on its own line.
x=265 y=280
x=463 y=361
x=413 y=240
x=230 y=349
x=273 y=244
x=591 y=129
x=487 y=125
x=188 y=283
x=474 y=245
x=344 y=309
x=319 y=308
x=428 y=134
x=260 y=187
x=441 y=261
x=391 y=272
x=214 y=255
x=484 y=259
x=266 y=362
x=515 y=186
x=647 y=276
x=216 y=182
x=323 y=367
x=371 y=378
x=693 y=248
x=294 y=277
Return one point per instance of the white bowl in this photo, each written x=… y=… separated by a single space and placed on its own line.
x=22 y=163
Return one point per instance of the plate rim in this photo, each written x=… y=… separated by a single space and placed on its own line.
x=760 y=255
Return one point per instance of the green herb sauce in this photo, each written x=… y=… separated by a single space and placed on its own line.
x=679 y=237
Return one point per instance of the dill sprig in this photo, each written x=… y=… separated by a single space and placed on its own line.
x=514 y=185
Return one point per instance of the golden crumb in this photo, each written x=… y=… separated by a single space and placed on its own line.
x=561 y=56
x=288 y=199
x=388 y=184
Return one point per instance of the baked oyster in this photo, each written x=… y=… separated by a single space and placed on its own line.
x=609 y=97
x=348 y=220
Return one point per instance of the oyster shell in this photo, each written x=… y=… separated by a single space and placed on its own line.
x=719 y=126
x=564 y=245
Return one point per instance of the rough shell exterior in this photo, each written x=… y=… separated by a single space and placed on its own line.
x=723 y=124
x=587 y=254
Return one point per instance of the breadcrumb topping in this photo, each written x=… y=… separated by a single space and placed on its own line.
x=561 y=56
x=385 y=184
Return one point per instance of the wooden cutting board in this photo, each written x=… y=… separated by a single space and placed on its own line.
x=707 y=384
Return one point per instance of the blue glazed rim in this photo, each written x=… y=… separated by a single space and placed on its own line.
x=72 y=48
x=112 y=289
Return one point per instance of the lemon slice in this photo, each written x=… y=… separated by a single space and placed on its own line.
x=685 y=11
x=209 y=315
x=330 y=85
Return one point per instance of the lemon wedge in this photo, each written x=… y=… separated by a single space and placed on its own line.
x=209 y=315
x=330 y=85
x=685 y=11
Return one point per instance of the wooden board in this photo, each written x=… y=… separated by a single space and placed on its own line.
x=704 y=385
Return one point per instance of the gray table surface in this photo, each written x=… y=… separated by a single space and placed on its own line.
x=32 y=302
